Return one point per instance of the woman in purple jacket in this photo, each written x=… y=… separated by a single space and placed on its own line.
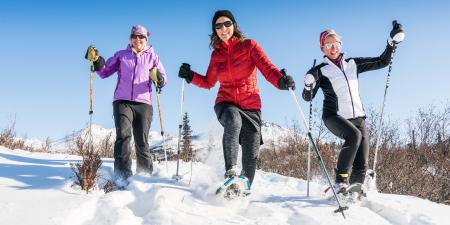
x=132 y=104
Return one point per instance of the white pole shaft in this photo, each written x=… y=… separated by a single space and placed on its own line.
x=299 y=110
x=180 y=125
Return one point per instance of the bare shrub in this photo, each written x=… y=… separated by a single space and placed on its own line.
x=86 y=171
x=9 y=140
x=44 y=147
x=291 y=158
x=8 y=135
x=77 y=143
x=420 y=165
x=106 y=146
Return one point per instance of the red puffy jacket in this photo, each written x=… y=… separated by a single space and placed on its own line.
x=234 y=66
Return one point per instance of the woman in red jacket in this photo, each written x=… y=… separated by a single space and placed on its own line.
x=234 y=61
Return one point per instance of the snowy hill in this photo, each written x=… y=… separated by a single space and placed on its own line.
x=40 y=186
x=36 y=188
x=272 y=133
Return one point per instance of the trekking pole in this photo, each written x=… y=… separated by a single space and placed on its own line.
x=91 y=55
x=314 y=146
x=91 y=111
x=180 y=125
x=380 y=123
x=308 y=174
x=153 y=75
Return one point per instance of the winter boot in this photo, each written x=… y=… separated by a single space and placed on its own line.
x=340 y=185
x=231 y=172
x=357 y=176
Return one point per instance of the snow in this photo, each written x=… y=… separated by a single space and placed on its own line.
x=36 y=188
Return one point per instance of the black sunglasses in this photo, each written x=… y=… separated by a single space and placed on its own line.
x=220 y=25
x=133 y=36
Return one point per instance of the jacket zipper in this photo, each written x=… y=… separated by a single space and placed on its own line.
x=349 y=91
x=132 y=81
x=231 y=75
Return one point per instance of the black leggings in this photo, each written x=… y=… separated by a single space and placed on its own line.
x=354 y=153
x=238 y=129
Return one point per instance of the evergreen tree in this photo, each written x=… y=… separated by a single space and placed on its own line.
x=186 y=147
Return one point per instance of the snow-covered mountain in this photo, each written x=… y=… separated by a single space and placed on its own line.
x=201 y=141
x=37 y=189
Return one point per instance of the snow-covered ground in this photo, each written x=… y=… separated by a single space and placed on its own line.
x=36 y=189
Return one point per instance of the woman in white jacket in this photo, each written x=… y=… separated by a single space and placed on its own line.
x=343 y=112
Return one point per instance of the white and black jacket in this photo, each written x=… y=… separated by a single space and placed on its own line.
x=340 y=84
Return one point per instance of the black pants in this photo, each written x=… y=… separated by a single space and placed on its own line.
x=354 y=153
x=239 y=128
x=137 y=117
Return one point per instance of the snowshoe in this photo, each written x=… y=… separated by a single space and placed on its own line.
x=351 y=194
x=339 y=188
x=354 y=188
x=234 y=187
x=355 y=192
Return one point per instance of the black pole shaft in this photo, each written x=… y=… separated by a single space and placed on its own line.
x=380 y=124
x=308 y=176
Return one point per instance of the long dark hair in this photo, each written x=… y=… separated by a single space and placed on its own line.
x=216 y=39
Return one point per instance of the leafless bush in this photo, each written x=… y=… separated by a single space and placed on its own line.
x=9 y=140
x=86 y=171
x=423 y=172
x=77 y=143
x=47 y=145
x=8 y=135
x=291 y=158
x=106 y=147
x=420 y=166
x=44 y=147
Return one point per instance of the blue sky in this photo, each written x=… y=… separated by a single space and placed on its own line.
x=45 y=78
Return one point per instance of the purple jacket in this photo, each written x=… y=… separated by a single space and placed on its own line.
x=133 y=83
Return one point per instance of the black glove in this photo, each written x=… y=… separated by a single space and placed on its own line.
x=160 y=81
x=186 y=72
x=99 y=64
x=285 y=82
x=92 y=55
x=397 y=33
